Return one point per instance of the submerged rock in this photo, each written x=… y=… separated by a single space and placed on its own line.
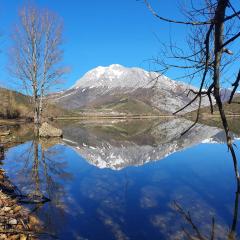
x=47 y=130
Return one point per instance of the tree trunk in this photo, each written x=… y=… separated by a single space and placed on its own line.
x=36 y=107
x=218 y=42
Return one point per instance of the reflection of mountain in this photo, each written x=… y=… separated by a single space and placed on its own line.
x=120 y=145
x=220 y=138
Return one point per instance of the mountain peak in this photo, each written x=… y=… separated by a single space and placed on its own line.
x=113 y=69
x=111 y=76
x=115 y=66
x=107 y=68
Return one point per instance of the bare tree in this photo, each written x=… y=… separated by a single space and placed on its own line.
x=36 y=54
x=213 y=28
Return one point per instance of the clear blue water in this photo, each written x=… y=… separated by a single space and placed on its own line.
x=132 y=202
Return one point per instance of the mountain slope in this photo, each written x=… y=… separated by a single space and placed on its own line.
x=13 y=104
x=17 y=105
x=232 y=109
x=104 y=86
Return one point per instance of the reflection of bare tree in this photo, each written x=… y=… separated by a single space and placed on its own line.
x=212 y=34
x=188 y=218
x=1 y=152
x=232 y=233
x=40 y=176
x=196 y=232
x=43 y=169
x=35 y=175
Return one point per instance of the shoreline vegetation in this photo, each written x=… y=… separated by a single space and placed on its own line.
x=12 y=121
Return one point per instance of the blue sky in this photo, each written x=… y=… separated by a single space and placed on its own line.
x=95 y=33
x=100 y=33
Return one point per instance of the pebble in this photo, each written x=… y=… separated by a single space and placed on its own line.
x=14 y=237
x=17 y=209
x=6 y=209
x=3 y=236
x=23 y=237
x=13 y=221
x=16 y=217
x=33 y=220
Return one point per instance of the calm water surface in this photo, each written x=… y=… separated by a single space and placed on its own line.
x=130 y=180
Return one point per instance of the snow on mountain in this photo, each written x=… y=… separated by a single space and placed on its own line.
x=117 y=75
x=109 y=85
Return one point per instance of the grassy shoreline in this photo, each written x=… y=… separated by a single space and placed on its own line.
x=12 y=122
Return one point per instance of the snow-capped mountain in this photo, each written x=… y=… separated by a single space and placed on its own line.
x=121 y=89
x=110 y=146
x=117 y=76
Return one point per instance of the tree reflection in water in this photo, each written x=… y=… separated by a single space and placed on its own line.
x=113 y=203
x=41 y=179
x=196 y=233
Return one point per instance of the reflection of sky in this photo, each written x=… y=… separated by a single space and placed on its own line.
x=136 y=202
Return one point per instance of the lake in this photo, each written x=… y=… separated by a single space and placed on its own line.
x=129 y=180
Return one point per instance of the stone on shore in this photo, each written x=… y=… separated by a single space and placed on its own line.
x=47 y=130
x=12 y=221
x=15 y=219
x=5 y=133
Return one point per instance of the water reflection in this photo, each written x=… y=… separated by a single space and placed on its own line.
x=122 y=144
x=40 y=177
x=216 y=231
x=91 y=200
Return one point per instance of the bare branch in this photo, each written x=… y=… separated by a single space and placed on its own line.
x=235 y=85
x=37 y=54
x=172 y=20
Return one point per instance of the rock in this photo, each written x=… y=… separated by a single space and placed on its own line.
x=13 y=221
x=17 y=209
x=6 y=209
x=23 y=237
x=5 y=133
x=46 y=130
x=3 y=236
x=33 y=220
x=20 y=227
x=14 y=237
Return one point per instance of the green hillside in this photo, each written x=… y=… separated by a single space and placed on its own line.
x=232 y=112
x=16 y=105
x=126 y=106
x=232 y=109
